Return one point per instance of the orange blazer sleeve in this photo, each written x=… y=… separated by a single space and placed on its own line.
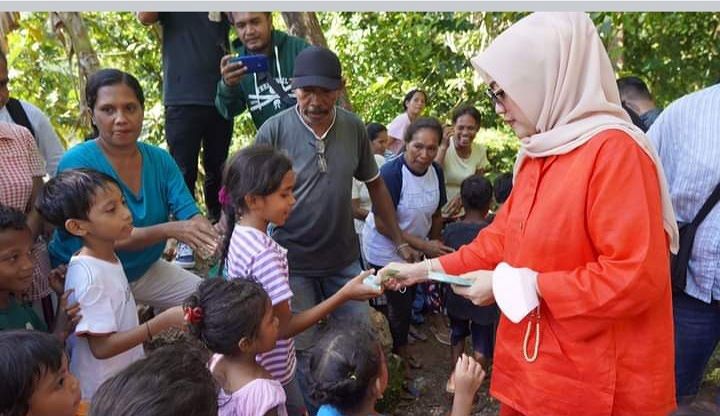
x=624 y=219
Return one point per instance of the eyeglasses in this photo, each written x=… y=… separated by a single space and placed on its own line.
x=4 y=82
x=497 y=96
x=320 y=152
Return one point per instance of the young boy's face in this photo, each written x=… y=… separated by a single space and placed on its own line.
x=56 y=394
x=109 y=218
x=16 y=262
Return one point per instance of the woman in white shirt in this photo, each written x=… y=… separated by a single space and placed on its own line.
x=416 y=187
x=413 y=104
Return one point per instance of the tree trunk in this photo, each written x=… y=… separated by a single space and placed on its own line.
x=8 y=23
x=77 y=43
x=306 y=25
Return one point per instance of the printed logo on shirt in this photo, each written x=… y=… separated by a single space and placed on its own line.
x=420 y=200
x=266 y=95
x=29 y=326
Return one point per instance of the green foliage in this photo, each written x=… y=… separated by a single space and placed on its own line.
x=501 y=150
x=393 y=394
x=43 y=73
x=384 y=55
x=675 y=53
x=387 y=54
x=39 y=72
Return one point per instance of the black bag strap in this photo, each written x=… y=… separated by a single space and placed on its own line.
x=18 y=115
x=279 y=90
x=707 y=206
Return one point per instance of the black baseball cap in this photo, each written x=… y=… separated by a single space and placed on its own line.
x=316 y=66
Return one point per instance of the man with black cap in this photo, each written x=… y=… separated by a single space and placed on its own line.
x=328 y=146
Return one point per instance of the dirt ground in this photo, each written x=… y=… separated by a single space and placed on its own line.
x=429 y=381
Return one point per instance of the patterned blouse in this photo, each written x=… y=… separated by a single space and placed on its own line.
x=20 y=162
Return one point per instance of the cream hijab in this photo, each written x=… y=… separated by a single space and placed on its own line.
x=556 y=69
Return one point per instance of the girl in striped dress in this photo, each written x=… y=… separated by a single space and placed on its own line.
x=259 y=183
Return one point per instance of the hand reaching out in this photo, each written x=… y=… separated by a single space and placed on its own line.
x=469 y=375
x=396 y=276
x=435 y=248
x=56 y=279
x=355 y=289
x=198 y=233
x=66 y=317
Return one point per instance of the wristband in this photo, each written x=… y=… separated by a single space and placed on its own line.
x=428 y=266
x=400 y=247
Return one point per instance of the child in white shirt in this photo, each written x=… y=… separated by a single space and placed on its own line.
x=108 y=338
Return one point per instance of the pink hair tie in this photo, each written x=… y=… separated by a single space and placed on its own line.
x=223 y=196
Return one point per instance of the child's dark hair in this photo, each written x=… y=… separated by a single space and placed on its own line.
x=503 y=186
x=12 y=219
x=255 y=170
x=343 y=365
x=69 y=195
x=229 y=310
x=409 y=96
x=374 y=129
x=172 y=380
x=109 y=77
x=423 y=123
x=476 y=193
x=26 y=357
x=634 y=117
x=466 y=110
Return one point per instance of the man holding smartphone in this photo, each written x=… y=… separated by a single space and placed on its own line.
x=247 y=87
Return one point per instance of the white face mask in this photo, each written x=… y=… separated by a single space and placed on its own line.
x=514 y=296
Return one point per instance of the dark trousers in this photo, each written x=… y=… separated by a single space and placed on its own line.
x=399 y=309
x=483 y=336
x=697 y=332
x=187 y=127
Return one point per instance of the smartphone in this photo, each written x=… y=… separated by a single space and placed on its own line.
x=253 y=63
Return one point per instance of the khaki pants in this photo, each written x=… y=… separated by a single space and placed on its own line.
x=164 y=285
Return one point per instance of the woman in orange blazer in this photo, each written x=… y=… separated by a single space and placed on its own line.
x=577 y=259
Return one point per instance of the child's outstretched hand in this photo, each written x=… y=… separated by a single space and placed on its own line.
x=355 y=289
x=169 y=318
x=67 y=317
x=469 y=375
x=56 y=279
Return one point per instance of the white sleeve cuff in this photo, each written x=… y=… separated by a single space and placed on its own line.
x=515 y=291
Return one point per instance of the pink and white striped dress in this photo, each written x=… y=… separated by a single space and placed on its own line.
x=255 y=398
x=254 y=255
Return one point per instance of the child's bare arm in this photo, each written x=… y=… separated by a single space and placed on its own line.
x=105 y=346
x=291 y=325
x=469 y=376
x=272 y=412
x=66 y=317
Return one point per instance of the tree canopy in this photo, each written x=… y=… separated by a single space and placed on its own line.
x=384 y=55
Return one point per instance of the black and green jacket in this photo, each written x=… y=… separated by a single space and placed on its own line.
x=256 y=95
